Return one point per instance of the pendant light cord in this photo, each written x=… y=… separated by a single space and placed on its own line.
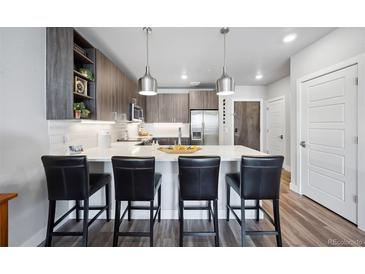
x=224 y=64
x=147 y=46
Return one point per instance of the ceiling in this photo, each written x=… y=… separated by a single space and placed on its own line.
x=198 y=52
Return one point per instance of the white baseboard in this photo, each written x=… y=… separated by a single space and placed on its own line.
x=36 y=239
x=40 y=236
x=294 y=187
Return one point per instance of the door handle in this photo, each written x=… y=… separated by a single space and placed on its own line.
x=281 y=136
x=303 y=144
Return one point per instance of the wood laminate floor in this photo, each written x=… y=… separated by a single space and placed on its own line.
x=303 y=223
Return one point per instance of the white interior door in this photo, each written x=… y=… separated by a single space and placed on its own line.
x=329 y=141
x=276 y=127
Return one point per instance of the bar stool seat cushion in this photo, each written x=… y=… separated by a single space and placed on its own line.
x=233 y=179
x=157 y=181
x=98 y=180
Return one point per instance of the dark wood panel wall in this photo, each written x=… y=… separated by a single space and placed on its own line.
x=59 y=73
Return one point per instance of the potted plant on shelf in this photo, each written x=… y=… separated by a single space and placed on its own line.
x=87 y=73
x=81 y=111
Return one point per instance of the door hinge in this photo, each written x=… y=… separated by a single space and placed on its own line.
x=356 y=81
x=355 y=199
x=356 y=140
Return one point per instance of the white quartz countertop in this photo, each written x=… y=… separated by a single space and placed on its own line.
x=226 y=152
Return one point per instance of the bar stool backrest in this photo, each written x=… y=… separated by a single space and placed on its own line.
x=134 y=178
x=67 y=177
x=198 y=177
x=260 y=177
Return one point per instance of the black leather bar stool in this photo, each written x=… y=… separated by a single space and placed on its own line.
x=198 y=181
x=135 y=180
x=68 y=179
x=259 y=180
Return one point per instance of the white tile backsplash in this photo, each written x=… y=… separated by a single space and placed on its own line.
x=65 y=133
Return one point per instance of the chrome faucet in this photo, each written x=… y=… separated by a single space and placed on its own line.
x=179 y=137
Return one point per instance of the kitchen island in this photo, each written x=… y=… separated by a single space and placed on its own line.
x=167 y=165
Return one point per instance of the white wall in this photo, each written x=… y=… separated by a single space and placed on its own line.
x=337 y=46
x=23 y=131
x=242 y=93
x=278 y=89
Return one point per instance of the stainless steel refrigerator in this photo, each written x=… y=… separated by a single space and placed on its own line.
x=204 y=128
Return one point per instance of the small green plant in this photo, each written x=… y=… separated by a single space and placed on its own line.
x=80 y=107
x=87 y=73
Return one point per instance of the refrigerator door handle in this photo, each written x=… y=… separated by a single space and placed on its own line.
x=203 y=131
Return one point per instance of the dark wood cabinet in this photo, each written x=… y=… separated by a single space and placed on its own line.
x=104 y=103
x=196 y=99
x=203 y=99
x=181 y=108
x=67 y=53
x=165 y=108
x=151 y=110
x=114 y=89
x=210 y=100
x=173 y=108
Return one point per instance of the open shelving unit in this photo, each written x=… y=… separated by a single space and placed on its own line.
x=67 y=51
x=84 y=57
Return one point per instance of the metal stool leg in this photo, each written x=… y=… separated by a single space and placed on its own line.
x=129 y=211
x=228 y=197
x=77 y=202
x=107 y=201
x=151 y=223
x=216 y=230
x=181 y=235
x=50 y=224
x=243 y=223
x=159 y=204
x=277 y=222
x=86 y=220
x=257 y=210
x=116 y=223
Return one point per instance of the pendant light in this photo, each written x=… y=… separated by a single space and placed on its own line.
x=225 y=84
x=147 y=85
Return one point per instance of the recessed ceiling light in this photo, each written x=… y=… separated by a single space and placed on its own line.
x=184 y=76
x=194 y=84
x=258 y=76
x=290 y=38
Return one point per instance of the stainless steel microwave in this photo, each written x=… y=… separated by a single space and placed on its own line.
x=135 y=113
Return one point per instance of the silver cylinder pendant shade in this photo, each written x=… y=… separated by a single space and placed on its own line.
x=225 y=84
x=147 y=85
